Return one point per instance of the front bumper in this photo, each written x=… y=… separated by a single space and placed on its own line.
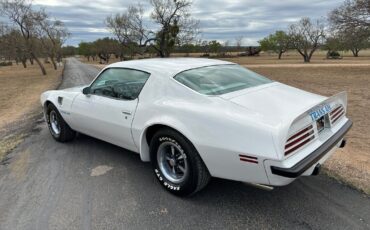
x=303 y=165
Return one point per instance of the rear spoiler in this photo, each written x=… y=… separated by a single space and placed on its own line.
x=305 y=119
x=339 y=98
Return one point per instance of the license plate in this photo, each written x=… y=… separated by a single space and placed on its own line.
x=320 y=124
x=320 y=112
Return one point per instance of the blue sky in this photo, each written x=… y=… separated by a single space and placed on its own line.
x=219 y=19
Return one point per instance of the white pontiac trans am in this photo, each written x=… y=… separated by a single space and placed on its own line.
x=200 y=118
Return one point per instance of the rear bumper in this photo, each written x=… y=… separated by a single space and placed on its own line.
x=303 y=165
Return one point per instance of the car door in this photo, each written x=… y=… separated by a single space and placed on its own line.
x=107 y=111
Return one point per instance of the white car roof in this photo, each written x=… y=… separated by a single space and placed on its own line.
x=167 y=67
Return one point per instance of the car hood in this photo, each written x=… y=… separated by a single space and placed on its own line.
x=275 y=101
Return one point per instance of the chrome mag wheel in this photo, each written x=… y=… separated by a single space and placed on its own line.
x=172 y=162
x=54 y=123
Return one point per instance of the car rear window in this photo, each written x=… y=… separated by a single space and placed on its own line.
x=220 y=79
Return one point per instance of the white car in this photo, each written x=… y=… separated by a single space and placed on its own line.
x=200 y=118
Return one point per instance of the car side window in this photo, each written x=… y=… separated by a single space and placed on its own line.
x=119 y=83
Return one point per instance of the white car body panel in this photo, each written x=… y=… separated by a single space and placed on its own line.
x=255 y=122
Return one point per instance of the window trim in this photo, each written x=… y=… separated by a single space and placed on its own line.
x=121 y=99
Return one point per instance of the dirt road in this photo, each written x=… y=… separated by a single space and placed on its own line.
x=90 y=184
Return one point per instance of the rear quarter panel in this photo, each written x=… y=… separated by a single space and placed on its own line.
x=215 y=127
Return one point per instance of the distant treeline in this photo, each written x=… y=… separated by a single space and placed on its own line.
x=31 y=35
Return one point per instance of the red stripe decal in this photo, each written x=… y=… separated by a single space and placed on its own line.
x=298 y=146
x=339 y=111
x=335 y=110
x=298 y=139
x=247 y=160
x=300 y=132
x=241 y=155
x=339 y=116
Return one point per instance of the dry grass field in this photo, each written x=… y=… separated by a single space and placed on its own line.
x=328 y=77
x=19 y=98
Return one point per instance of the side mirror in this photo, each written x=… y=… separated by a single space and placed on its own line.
x=86 y=90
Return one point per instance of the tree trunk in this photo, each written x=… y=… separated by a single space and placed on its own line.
x=24 y=63
x=280 y=54
x=307 y=59
x=328 y=54
x=304 y=55
x=355 y=52
x=53 y=62
x=42 y=68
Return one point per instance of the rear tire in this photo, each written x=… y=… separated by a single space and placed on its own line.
x=177 y=164
x=58 y=128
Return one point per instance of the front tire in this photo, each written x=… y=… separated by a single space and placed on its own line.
x=58 y=128
x=177 y=164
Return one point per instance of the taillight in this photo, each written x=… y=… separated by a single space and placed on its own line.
x=299 y=139
x=337 y=113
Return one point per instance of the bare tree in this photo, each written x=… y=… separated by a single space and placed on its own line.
x=173 y=16
x=353 y=13
x=6 y=50
x=128 y=27
x=226 y=48
x=16 y=47
x=239 y=42
x=24 y=18
x=188 y=31
x=175 y=26
x=52 y=35
x=306 y=37
x=351 y=21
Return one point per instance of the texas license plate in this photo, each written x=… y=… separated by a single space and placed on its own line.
x=320 y=112
x=320 y=124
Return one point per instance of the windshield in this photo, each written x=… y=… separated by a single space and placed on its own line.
x=220 y=79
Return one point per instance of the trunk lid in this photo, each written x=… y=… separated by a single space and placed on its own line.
x=275 y=101
x=290 y=111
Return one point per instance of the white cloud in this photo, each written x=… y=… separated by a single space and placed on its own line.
x=220 y=19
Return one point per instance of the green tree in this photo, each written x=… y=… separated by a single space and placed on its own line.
x=355 y=39
x=277 y=42
x=214 y=46
x=87 y=49
x=105 y=47
x=351 y=21
x=68 y=51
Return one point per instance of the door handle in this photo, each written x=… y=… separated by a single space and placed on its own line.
x=127 y=112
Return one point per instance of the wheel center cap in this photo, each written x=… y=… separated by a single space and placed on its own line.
x=172 y=162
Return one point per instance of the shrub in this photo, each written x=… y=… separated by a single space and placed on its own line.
x=6 y=63
x=333 y=55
